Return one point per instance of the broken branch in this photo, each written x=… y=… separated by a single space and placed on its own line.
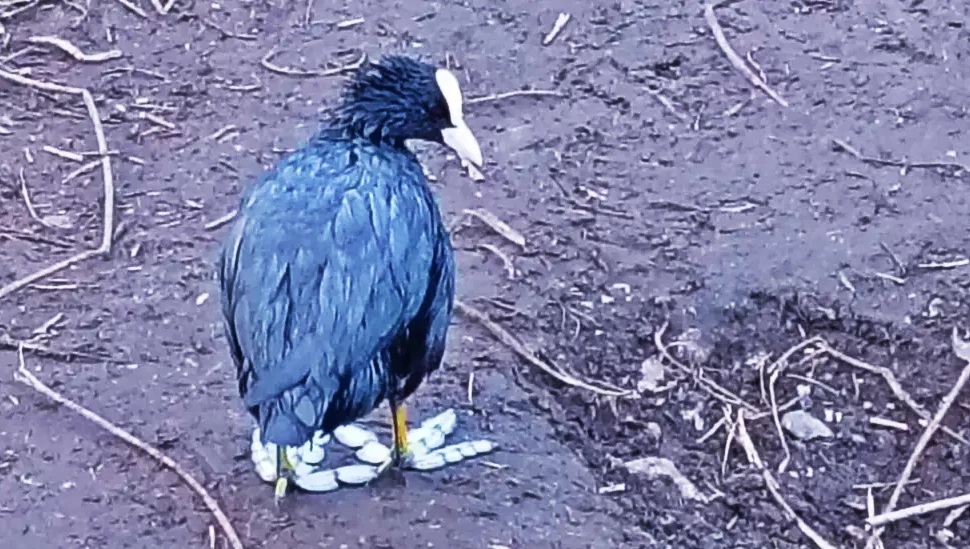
x=25 y=377
x=108 y=181
x=736 y=59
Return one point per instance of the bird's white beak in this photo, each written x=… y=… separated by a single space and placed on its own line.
x=463 y=142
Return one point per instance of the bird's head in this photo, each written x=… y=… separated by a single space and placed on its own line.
x=400 y=98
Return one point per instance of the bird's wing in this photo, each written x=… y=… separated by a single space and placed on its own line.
x=428 y=330
x=323 y=279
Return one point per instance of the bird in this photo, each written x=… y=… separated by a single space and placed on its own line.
x=337 y=277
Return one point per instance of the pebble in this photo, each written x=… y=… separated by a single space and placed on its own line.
x=804 y=426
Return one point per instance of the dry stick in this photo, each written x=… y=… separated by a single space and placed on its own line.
x=962 y=350
x=28 y=379
x=7 y=342
x=557 y=27
x=74 y=51
x=712 y=388
x=498 y=226
x=893 y=383
x=735 y=59
x=133 y=8
x=108 y=176
x=81 y=170
x=30 y=205
x=753 y=458
x=776 y=416
x=916 y=510
x=508 y=339
x=272 y=67
x=163 y=10
x=506 y=260
x=897 y=163
x=514 y=93
x=308 y=13
x=775 y=370
x=220 y=221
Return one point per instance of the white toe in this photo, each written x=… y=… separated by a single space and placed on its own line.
x=451 y=454
x=444 y=422
x=428 y=462
x=352 y=436
x=374 y=453
x=356 y=474
x=314 y=455
x=319 y=481
x=266 y=469
x=303 y=469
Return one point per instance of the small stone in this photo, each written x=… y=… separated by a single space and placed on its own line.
x=652 y=371
x=804 y=426
x=654 y=467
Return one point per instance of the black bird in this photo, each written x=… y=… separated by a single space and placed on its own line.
x=338 y=277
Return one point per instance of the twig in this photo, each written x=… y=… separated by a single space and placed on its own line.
x=228 y=34
x=711 y=387
x=557 y=28
x=134 y=8
x=29 y=204
x=220 y=221
x=66 y=155
x=83 y=169
x=508 y=339
x=962 y=349
x=898 y=163
x=272 y=67
x=667 y=103
x=773 y=487
x=28 y=379
x=9 y=343
x=75 y=52
x=773 y=380
x=155 y=119
x=108 y=177
x=163 y=10
x=916 y=510
x=962 y=262
x=498 y=226
x=736 y=59
x=893 y=383
x=308 y=13
x=884 y=422
x=514 y=93
x=506 y=260
x=349 y=23
x=775 y=370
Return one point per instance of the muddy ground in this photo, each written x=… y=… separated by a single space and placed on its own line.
x=657 y=187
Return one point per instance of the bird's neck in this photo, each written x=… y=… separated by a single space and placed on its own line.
x=378 y=127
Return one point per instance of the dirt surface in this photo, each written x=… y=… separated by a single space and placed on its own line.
x=657 y=187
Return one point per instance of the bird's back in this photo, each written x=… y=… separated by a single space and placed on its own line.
x=337 y=282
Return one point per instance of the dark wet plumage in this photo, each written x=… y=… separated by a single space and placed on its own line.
x=338 y=276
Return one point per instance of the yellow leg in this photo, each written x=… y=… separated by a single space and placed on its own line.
x=283 y=466
x=400 y=432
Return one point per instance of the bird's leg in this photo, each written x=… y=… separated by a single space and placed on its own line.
x=282 y=469
x=401 y=453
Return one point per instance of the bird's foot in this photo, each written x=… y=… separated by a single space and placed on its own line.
x=426 y=452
